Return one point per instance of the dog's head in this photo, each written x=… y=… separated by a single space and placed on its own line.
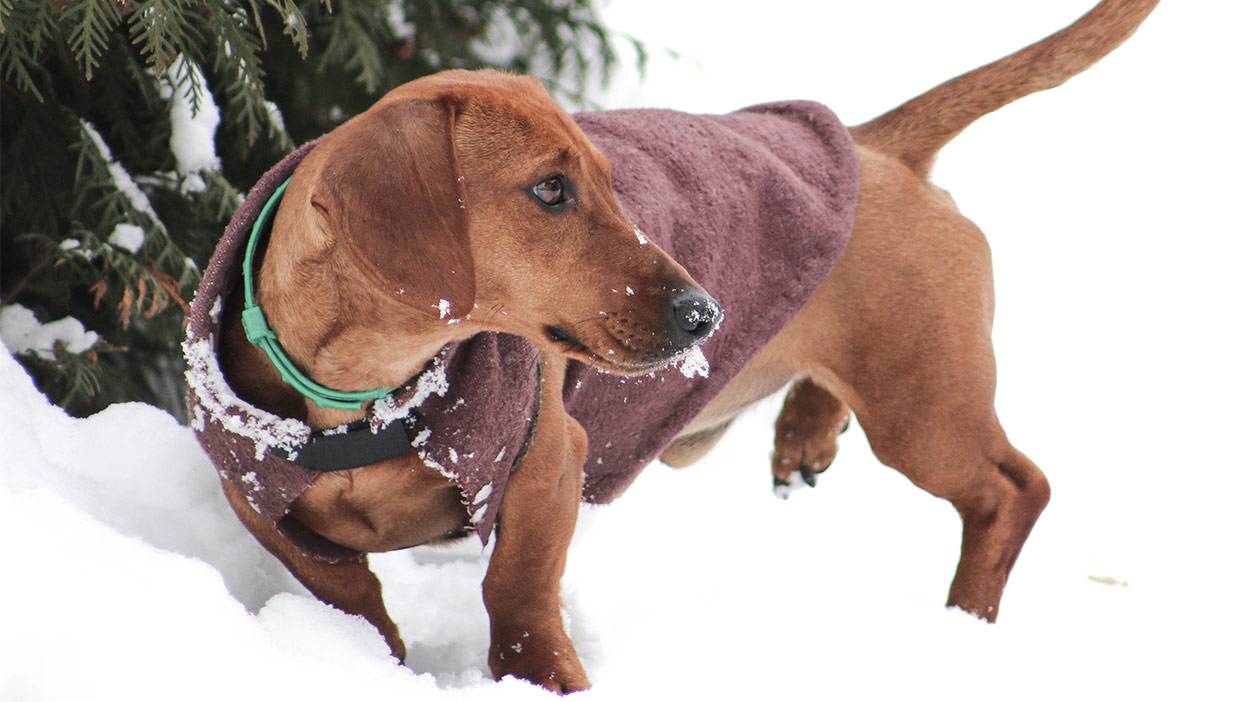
x=473 y=197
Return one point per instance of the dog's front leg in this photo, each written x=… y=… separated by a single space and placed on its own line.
x=806 y=437
x=535 y=526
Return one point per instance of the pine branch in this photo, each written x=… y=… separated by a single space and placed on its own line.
x=220 y=197
x=185 y=72
x=163 y=29
x=293 y=23
x=15 y=67
x=92 y=23
x=74 y=199
x=355 y=33
x=126 y=99
x=236 y=64
x=562 y=43
x=97 y=168
x=105 y=189
x=74 y=375
x=29 y=28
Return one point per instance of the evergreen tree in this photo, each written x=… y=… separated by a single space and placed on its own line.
x=110 y=205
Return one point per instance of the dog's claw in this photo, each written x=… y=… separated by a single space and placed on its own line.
x=783 y=488
x=809 y=477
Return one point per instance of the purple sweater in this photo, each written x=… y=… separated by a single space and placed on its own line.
x=757 y=205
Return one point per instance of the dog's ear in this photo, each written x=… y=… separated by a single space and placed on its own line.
x=392 y=193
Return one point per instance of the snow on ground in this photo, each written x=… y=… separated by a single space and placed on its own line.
x=1112 y=207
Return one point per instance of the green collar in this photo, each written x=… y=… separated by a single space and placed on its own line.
x=259 y=333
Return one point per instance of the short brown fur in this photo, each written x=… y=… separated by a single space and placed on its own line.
x=899 y=333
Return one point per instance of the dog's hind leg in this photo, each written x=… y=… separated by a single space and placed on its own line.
x=348 y=586
x=998 y=492
x=901 y=331
x=927 y=409
x=806 y=434
x=937 y=426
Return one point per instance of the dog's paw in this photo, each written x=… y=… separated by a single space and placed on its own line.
x=806 y=438
x=550 y=662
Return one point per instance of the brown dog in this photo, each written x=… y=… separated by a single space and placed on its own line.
x=899 y=333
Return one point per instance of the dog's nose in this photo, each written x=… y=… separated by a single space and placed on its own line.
x=695 y=316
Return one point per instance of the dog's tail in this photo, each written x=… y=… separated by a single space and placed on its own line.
x=914 y=131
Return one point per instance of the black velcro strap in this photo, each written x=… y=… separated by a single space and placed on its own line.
x=356 y=447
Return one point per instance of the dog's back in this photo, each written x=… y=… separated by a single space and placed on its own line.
x=758 y=206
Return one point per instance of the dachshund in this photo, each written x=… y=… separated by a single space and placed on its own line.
x=466 y=204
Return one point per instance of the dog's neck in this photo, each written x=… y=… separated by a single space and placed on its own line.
x=343 y=334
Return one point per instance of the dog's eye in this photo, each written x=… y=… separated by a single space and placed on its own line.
x=550 y=191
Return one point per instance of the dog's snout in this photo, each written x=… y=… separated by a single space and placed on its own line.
x=695 y=316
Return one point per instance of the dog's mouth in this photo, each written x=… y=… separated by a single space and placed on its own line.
x=611 y=361
x=566 y=341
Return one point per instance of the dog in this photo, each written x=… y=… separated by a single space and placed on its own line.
x=465 y=227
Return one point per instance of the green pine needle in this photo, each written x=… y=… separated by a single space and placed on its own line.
x=163 y=29
x=93 y=22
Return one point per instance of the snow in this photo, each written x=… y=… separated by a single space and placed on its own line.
x=482 y=494
x=192 y=130
x=268 y=431
x=127 y=236
x=692 y=363
x=786 y=489
x=430 y=382
x=21 y=332
x=118 y=173
x=431 y=463
x=1121 y=343
x=400 y=27
x=275 y=115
